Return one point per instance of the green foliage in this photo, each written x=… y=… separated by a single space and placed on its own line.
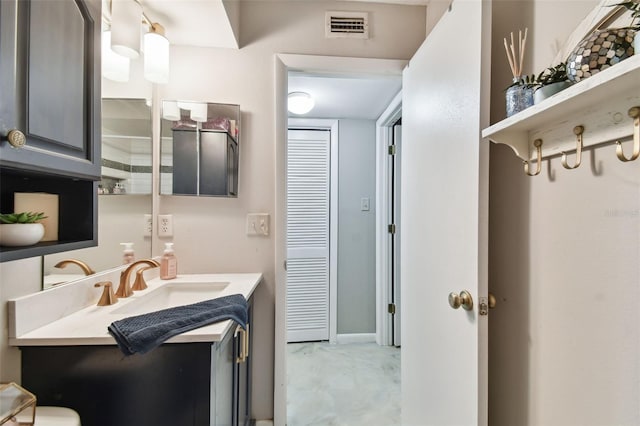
x=23 y=217
x=527 y=81
x=556 y=74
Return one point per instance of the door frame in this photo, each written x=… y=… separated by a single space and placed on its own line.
x=283 y=63
x=384 y=129
x=332 y=125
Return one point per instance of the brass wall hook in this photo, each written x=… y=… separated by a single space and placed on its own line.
x=634 y=113
x=578 y=131
x=538 y=145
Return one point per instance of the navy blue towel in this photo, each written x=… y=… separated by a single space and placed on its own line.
x=141 y=333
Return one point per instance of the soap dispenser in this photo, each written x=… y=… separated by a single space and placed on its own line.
x=168 y=263
x=128 y=256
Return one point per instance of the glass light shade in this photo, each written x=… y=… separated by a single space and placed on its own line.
x=199 y=112
x=126 y=19
x=156 y=58
x=114 y=67
x=170 y=110
x=300 y=102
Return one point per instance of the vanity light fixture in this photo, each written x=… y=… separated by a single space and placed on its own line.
x=125 y=26
x=170 y=110
x=156 y=55
x=125 y=19
x=199 y=112
x=300 y=102
x=114 y=67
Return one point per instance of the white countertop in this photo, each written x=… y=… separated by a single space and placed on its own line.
x=88 y=325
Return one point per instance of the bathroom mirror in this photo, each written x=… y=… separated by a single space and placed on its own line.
x=199 y=149
x=124 y=194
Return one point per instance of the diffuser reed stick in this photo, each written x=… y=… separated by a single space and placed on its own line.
x=516 y=57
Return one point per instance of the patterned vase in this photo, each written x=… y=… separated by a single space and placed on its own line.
x=518 y=97
x=599 y=51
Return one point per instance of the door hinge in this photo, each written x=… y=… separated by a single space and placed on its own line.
x=392 y=228
x=392 y=150
x=392 y=308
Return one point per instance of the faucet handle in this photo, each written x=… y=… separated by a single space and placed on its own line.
x=108 y=297
x=139 y=283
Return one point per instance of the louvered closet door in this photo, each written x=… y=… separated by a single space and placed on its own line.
x=308 y=235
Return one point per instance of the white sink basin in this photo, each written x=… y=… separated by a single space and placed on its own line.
x=172 y=294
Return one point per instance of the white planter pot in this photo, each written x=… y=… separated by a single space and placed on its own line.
x=636 y=44
x=20 y=234
x=544 y=92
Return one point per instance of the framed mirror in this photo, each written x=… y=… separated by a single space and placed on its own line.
x=199 y=149
x=124 y=194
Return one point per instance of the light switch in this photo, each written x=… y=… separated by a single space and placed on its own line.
x=364 y=204
x=258 y=224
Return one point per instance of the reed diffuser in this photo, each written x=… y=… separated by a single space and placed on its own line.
x=519 y=95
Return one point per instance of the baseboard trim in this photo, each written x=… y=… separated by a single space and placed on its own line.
x=356 y=338
x=263 y=423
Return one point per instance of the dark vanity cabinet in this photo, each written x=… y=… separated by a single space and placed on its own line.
x=186 y=384
x=50 y=113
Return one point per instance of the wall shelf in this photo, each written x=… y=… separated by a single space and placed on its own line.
x=599 y=103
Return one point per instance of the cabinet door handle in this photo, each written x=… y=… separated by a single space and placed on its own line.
x=16 y=138
x=242 y=356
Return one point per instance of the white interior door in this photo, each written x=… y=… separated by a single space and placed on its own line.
x=308 y=190
x=444 y=214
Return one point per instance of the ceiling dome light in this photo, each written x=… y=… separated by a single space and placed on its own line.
x=300 y=102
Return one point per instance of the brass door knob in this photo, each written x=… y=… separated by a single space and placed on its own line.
x=492 y=301
x=464 y=299
x=16 y=138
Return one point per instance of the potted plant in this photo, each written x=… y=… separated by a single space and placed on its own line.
x=21 y=229
x=551 y=81
x=634 y=8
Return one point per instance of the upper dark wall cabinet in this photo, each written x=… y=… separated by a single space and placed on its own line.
x=50 y=101
x=50 y=86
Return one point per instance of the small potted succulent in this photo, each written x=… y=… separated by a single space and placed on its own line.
x=551 y=81
x=21 y=229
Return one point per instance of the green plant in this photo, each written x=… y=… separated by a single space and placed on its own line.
x=23 y=217
x=634 y=8
x=555 y=74
x=528 y=81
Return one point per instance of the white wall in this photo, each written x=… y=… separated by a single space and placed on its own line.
x=564 y=338
x=356 y=233
x=210 y=232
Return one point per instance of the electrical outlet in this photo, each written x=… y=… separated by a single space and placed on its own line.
x=148 y=225
x=165 y=225
x=258 y=224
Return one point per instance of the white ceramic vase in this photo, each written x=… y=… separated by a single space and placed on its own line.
x=20 y=234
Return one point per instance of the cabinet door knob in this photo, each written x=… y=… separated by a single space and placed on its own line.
x=16 y=138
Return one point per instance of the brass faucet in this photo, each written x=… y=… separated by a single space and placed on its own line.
x=124 y=289
x=85 y=268
x=107 y=298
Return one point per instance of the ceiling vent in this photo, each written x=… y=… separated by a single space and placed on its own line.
x=347 y=25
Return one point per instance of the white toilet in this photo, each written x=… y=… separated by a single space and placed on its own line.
x=53 y=416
